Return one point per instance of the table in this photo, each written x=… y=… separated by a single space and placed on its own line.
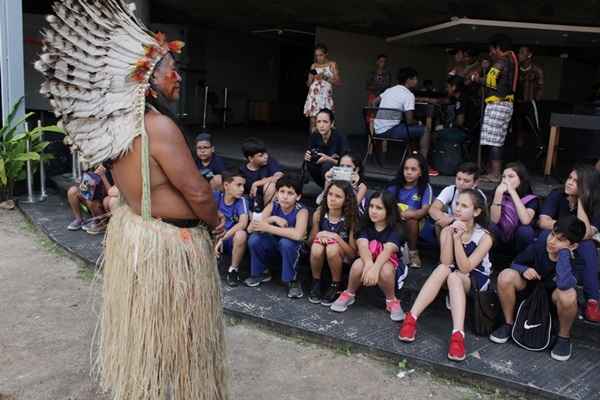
x=574 y=121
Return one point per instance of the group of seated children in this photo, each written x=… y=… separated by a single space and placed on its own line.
x=368 y=239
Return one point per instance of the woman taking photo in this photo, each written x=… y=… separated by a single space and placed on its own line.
x=323 y=74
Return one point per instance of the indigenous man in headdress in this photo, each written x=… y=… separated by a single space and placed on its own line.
x=161 y=331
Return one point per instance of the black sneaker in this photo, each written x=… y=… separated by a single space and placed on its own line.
x=562 y=349
x=254 y=281
x=315 y=292
x=295 y=290
x=331 y=294
x=502 y=334
x=232 y=278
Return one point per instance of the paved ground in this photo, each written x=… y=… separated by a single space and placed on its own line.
x=46 y=309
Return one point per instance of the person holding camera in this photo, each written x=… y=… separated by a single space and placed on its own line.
x=325 y=147
x=211 y=166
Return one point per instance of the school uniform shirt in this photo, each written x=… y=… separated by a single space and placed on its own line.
x=449 y=196
x=231 y=212
x=216 y=165
x=535 y=256
x=337 y=143
x=411 y=196
x=340 y=227
x=557 y=205
x=388 y=235
x=482 y=272
x=268 y=170
x=290 y=217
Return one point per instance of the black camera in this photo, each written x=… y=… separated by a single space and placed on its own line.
x=207 y=174
x=313 y=71
x=314 y=155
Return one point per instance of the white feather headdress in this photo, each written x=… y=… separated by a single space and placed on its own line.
x=98 y=59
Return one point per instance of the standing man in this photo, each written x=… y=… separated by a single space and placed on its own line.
x=530 y=90
x=161 y=333
x=500 y=87
x=379 y=79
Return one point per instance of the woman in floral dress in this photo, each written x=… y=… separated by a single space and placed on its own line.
x=322 y=76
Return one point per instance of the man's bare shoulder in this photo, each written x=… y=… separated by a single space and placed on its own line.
x=160 y=127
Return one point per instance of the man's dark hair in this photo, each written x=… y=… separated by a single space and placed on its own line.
x=289 y=182
x=204 y=137
x=469 y=168
x=405 y=74
x=503 y=42
x=328 y=112
x=382 y=55
x=253 y=146
x=230 y=174
x=571 y=227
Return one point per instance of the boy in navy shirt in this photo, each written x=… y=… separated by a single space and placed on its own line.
x=547 y=260
x=234 y=207
x=211 y=166
x=278 y=235
x=261 y=172
x=568 y=201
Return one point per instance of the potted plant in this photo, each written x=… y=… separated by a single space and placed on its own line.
x=13 y=150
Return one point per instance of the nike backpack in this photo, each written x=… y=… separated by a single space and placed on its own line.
x=533 y=323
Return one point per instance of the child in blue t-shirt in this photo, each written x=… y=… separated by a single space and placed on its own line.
x=261 y=172
x=234 y=207
x=378 y=245
x=413 y=195
x=279 y=235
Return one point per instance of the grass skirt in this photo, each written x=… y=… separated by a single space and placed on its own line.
x=161 y=328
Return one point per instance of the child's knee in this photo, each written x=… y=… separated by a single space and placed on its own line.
x=287 y=244
x=358 y=265
x=333 y=250
x=317 y=250
x=508 y=278
x=566 y=298
x=387 y=272
x=73 y=192
x=240 y=237
x=254 y=240
x=454 y=280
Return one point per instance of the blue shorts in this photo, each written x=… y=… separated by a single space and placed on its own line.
x=401 y=274
x=404 y=132
x=481 y=280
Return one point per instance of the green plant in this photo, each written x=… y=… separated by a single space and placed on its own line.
x=13 y=149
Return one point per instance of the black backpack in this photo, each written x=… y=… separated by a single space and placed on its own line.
x=483 y=309
x=532 y=329
x=446 y=157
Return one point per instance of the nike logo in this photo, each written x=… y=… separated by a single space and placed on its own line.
x=527 y=326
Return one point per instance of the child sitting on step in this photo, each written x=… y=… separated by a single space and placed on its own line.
x=332 y=238
x=378 y=246
x=464 y=260
x=413 y=195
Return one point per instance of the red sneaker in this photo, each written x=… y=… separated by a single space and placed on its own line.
x=592 y=311
x=408 y=330
x=456 y=350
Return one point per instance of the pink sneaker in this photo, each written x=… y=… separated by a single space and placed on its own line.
x=395 y=309
x=342 y=303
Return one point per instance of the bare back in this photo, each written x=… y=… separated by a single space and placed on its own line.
x=177 y=188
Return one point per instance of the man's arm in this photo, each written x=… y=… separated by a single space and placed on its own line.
x=170 y=150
